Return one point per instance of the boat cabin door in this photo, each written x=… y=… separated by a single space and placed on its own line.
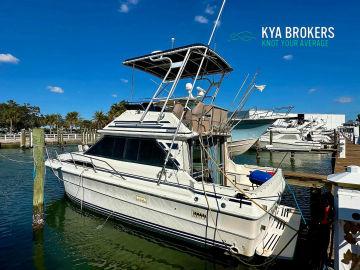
x=206 y=162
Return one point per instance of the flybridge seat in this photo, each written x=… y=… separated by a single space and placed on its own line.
x=158 y=63
x=203 y=118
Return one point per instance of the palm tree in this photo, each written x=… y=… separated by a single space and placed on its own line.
x=117 y=109
x=51 y=120
x=72 y=119
x=100 y=119
x=12 y=114
x=86 y=124
x=59 y=120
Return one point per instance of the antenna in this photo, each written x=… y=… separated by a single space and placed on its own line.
x=216 y=22
x=172 y=42
x=242 y=85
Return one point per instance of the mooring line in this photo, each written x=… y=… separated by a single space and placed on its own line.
x=14 y=160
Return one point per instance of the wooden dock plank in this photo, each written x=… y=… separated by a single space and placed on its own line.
x=352 y=157
x=305 y=179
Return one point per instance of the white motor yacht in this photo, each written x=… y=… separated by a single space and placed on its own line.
x=288 y=141
x=165 y=166
x=248 y=126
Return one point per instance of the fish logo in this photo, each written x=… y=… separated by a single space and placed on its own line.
x=242 y=36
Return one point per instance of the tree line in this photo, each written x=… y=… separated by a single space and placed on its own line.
x=14 y=117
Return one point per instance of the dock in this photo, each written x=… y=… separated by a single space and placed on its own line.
x=25 y=139
x=302 y=179
x=352 y=157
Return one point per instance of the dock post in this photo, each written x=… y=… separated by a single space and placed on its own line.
x=31 y=138
x=271 y=161
x=84 y=142
x=292 y=159
x=342 y=148
x=22 y=138
x=57 y=135
x=271 y=137
x=39 y=175
x=257 y=156
x=62 y=136
x=82 y=137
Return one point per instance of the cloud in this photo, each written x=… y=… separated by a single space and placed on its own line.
x=114 y=95
x=8 y=58
x=124 y=80
x=125 y=5
x=210 y=9
x=288 y=57
x=201 y=19
x=55 y=89
x=218 y=23
x=124 y=8
x=312 y=90
x=344 y=99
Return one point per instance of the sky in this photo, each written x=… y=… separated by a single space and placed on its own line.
x=67 y=55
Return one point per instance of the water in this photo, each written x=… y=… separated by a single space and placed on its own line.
x=304 y=162
x=81 y=240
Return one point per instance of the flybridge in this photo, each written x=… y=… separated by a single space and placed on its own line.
x=167 y=64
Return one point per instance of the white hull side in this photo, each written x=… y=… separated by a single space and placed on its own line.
x=167 y=216
x=301 y=146
x=239 y=147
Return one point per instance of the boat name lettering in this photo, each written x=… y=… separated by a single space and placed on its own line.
x=198 y=214
x=141 y=199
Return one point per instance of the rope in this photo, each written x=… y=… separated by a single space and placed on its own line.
x=296 y=202
x=99 y=227
x=291 y=190
x=275 y=217
x=243 y=193
x=14 y=160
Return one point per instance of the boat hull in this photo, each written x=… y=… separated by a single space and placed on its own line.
x=296 y=146
x=239 y=147
x=163 y=215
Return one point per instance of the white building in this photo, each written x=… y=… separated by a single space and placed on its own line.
x=331 y=121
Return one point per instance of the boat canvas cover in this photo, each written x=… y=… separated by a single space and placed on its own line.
x=158 y=64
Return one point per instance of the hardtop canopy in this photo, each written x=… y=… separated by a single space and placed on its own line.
x=158 y=63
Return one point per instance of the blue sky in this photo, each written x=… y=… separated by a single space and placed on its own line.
x=66 y=55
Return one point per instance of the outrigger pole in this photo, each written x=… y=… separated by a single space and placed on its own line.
x=193 y=85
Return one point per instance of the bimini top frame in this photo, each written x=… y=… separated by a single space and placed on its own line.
x=166 y=64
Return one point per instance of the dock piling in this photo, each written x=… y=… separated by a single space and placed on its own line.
x=39 y=175
x=22 y=138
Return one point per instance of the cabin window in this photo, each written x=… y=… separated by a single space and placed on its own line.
x=151 y=153
x=118 y=149
x=144 y=151
x=132 y=149
x=103 y=148
x=174 y=146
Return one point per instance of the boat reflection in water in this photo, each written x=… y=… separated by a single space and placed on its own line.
x=109 y=245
